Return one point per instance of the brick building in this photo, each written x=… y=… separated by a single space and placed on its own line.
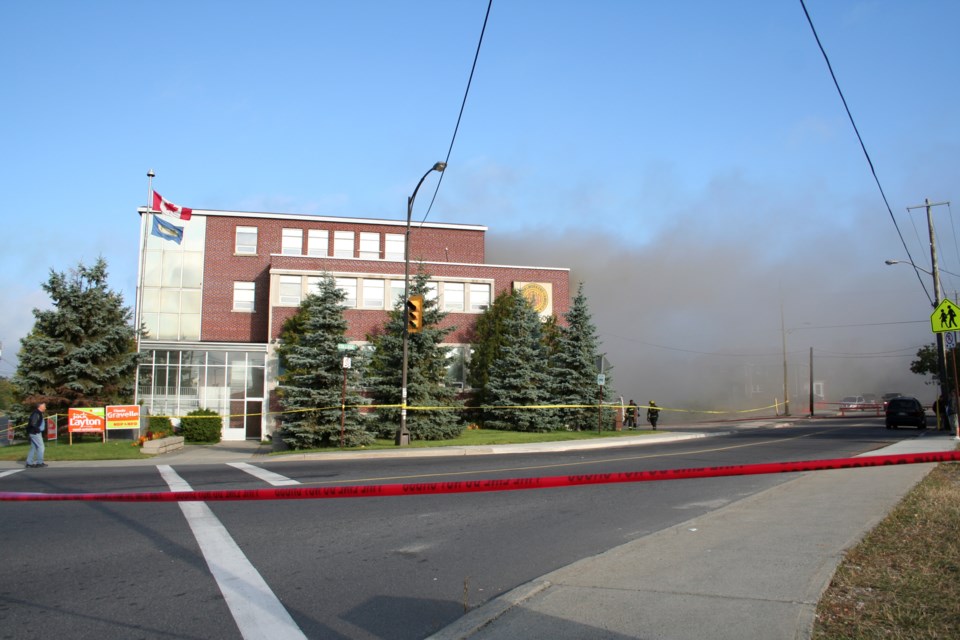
x=214 y=303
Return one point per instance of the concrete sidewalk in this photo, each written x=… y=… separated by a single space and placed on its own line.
x=754 y=569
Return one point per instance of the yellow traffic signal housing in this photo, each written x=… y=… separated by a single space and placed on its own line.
x=415 y=314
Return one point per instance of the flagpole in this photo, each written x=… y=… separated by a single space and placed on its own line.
x=138 y=314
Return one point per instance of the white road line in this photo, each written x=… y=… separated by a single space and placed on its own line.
x=4 y=474
x=257 y=611
x=275 y=479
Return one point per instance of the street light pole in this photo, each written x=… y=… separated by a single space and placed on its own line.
x=403 y=435
x=786 y=392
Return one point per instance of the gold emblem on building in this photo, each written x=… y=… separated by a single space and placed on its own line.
x=537 y=295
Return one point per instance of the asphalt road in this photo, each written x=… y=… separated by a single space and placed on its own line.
x=354 y=568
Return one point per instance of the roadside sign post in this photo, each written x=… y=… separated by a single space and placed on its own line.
x=944 y=321
x=346 y=364
x=601 y=380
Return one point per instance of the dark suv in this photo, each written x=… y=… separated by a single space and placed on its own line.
x=905 y=411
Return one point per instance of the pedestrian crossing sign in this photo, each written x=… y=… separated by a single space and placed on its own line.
x=945 y=317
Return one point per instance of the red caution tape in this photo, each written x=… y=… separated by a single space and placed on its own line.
x=475 y=486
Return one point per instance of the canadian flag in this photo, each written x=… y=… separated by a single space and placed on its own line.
x=167 y=207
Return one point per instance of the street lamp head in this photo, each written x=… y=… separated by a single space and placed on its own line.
x=440 y=166
x=891 y=262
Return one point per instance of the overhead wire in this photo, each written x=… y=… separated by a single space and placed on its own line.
x=463 y=105
x=863 y=147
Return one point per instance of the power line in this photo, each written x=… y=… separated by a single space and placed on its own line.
x=463 y=105
x=863 y=146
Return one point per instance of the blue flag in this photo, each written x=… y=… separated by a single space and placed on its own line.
x=167 y=231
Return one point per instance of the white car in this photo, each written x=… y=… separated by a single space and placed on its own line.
x=852 y=403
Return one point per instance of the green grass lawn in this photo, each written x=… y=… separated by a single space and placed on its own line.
x=124 y=449
x=62 y=450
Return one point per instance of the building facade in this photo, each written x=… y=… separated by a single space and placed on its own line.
x=213 y=301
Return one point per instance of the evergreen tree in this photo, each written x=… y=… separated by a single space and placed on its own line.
x=486 y=343
x=311 y=386
x=574 y=366
x=518 y=376
x=82 y=352
x=426 y=373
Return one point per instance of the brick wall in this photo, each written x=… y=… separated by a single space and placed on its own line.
x=448 y=253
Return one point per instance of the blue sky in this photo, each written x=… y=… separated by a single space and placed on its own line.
x=690 y=161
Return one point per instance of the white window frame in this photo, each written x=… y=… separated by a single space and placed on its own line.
x=453 y=296
x=318 y=242
x=348 y=285
x=369 y=245
x=373 y=289
x=291 y=242
x=433 y=290
x=340 y=241
x=396 y=292
x=289 y=290
x=393 y=246
x=480 y=296
x=245 y=248
x=244 y=296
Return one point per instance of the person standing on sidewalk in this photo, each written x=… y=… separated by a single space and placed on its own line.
x=653 y=414
x=36 y=430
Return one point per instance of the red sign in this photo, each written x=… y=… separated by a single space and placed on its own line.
x=86 y=421
x=51 y=428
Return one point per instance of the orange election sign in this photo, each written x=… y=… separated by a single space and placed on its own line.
x=123 y=416
x=86 y=421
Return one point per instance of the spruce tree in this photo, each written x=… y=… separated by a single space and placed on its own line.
x=519 y=375
x=574 y=368
x=486 y=343
x=433 y=411
x=82 y=352
x=311 y=386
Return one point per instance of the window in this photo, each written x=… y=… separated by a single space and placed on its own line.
x=432 y=291
x=372 y=294
x=453 y=296
x=393 y=246
x=246 y=240
x=343 y=244
x=318 y=242
x=243 y=294
x=479 y=297
x=349 y=286
x=292 y=243
x=370 y=245
x=290 y=290
x=396 y=292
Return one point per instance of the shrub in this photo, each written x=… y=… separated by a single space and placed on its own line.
x=202 y=425
x=159 y=425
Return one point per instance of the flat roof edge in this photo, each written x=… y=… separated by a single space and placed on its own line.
x=303 y=217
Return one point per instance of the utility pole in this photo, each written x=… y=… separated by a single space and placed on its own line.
x=786 y=392
x=935 y=270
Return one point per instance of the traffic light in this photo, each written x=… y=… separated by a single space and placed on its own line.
x=415 y=314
